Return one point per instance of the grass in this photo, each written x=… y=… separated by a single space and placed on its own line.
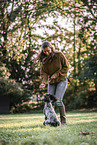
x=28 y=129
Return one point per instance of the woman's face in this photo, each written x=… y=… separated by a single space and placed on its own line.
x=47 y=51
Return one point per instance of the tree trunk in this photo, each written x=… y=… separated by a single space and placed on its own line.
x=95 y=81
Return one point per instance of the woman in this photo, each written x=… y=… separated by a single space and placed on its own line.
x=54 y=68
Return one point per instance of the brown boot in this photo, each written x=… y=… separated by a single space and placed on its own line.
x=62 y=114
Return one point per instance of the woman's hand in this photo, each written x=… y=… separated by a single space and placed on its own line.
x=42 y=85
x=53 y=77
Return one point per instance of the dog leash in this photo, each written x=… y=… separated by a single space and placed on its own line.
x=69 y=81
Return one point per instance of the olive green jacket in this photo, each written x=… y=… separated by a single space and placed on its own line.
x=59 y=66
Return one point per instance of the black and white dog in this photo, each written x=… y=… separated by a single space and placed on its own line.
x=50 y=115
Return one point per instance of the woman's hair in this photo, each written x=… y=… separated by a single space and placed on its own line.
x=45 y=44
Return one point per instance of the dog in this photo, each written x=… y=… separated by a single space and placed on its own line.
x=50 y=115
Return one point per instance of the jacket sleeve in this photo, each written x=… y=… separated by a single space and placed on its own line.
x=44 y=75
x=65 y=65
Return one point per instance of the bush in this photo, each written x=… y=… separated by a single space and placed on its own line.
x=14 y=90
x=80 y=98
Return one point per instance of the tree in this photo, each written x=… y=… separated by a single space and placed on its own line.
x=29 y=23
x=89 y=29
x=14 y=91
x=86 y=91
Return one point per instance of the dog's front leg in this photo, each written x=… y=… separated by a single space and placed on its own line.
x=45 y=114
x=46 y=123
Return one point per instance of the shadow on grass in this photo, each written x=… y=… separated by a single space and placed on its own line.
x=37 y=133
x=28 y=129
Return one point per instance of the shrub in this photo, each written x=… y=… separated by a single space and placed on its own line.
x=14 y=91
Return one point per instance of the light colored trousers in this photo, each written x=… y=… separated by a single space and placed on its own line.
x=58 y=89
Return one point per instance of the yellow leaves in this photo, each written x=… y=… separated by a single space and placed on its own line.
x=62 y=3
x=11 y=90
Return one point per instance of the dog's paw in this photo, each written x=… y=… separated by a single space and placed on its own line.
x=55 y=124
x=44 y=123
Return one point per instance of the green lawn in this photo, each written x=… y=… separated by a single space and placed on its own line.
x=28 y=129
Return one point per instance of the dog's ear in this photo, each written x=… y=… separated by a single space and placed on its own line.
x=54 y=98
x=46 y=98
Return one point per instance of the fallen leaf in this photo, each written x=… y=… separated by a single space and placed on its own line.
x=84 y=143
x=84 y=133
